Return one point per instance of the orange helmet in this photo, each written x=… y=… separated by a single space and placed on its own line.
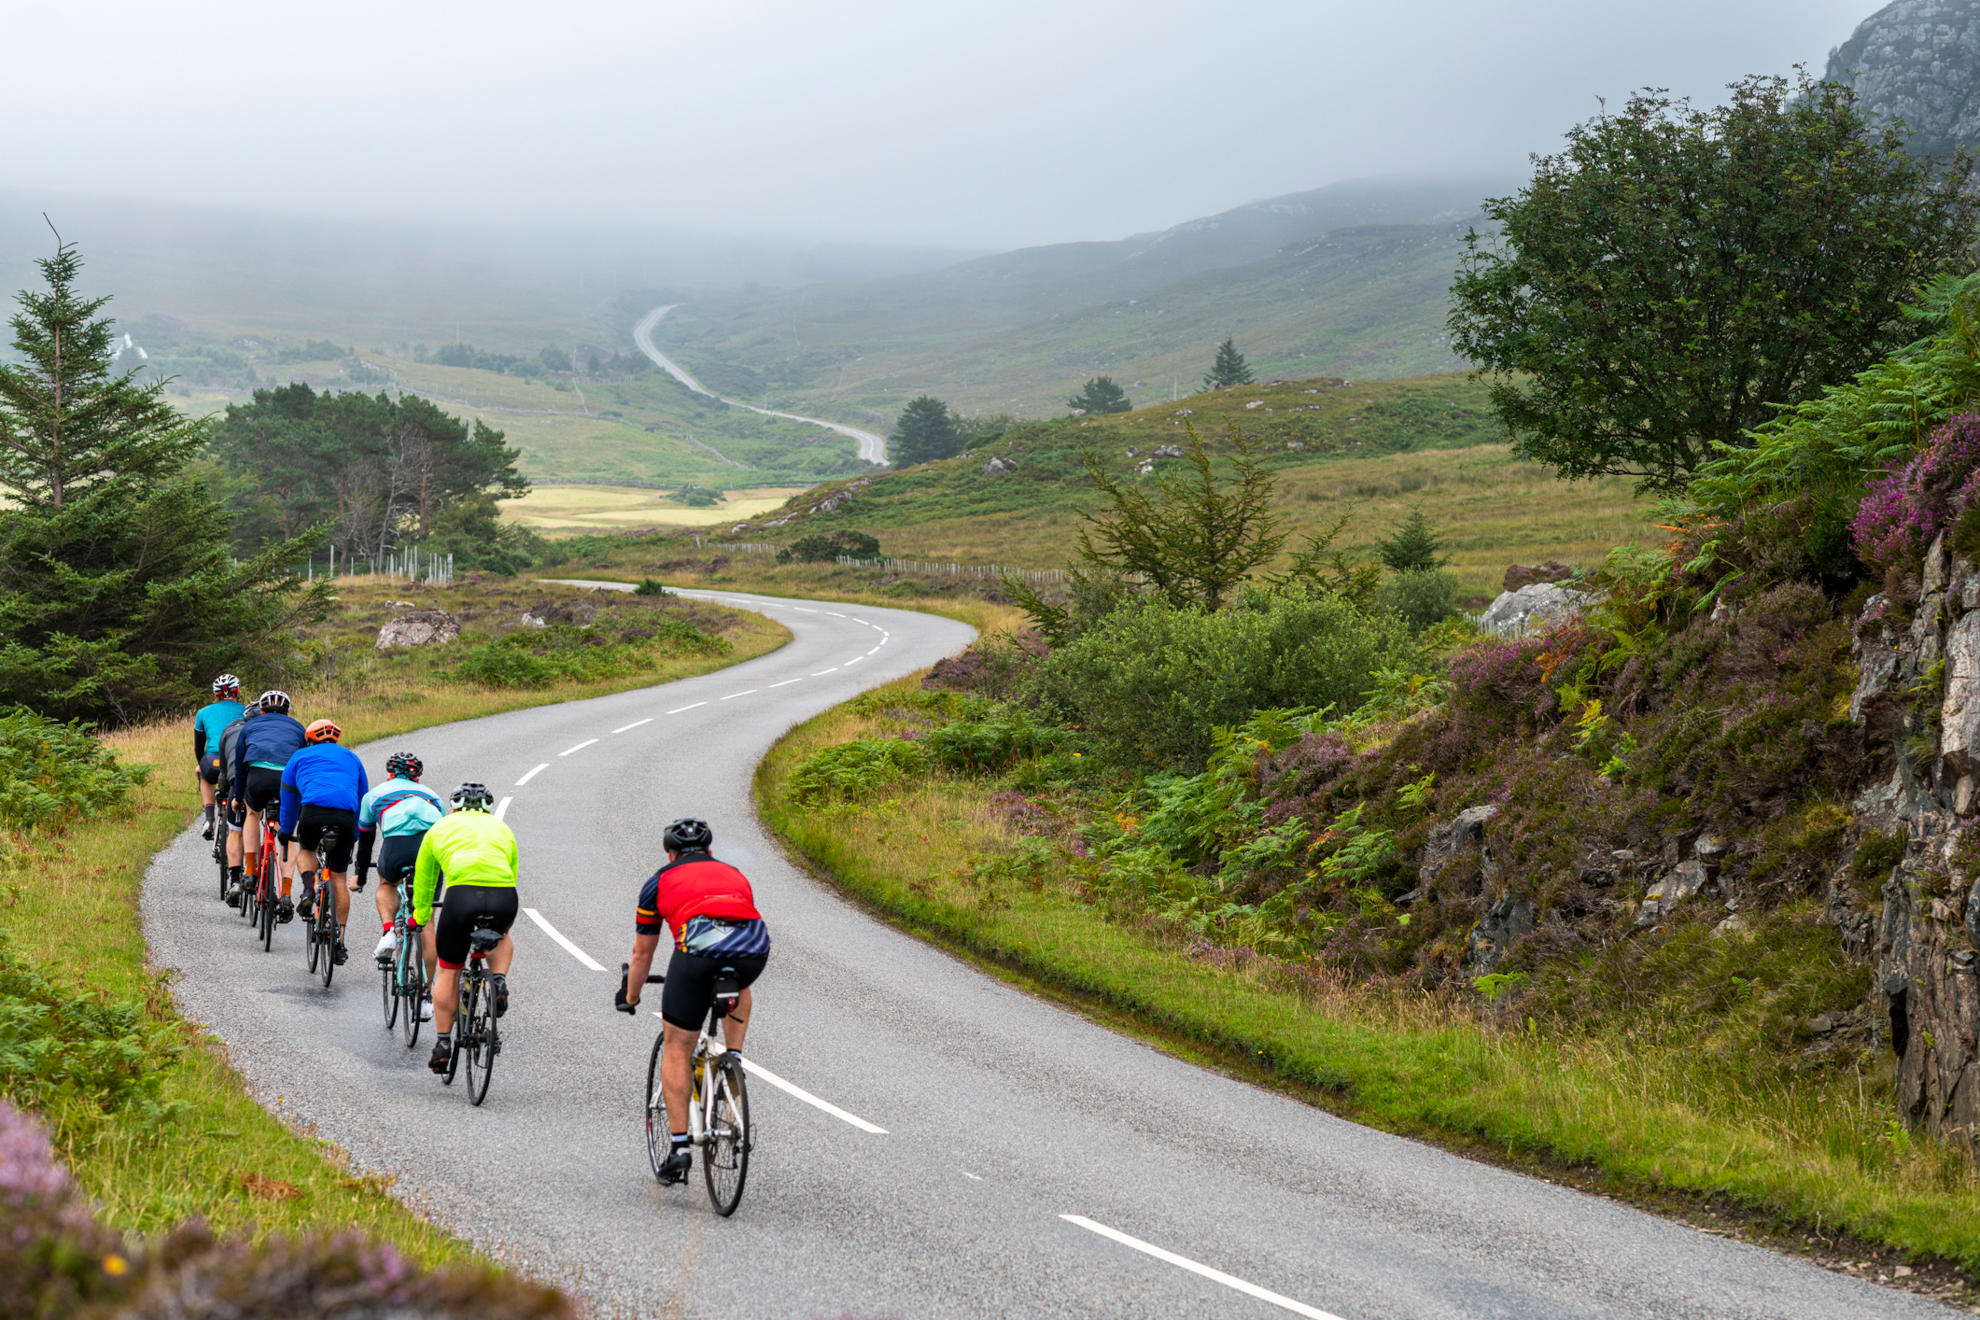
x=322 y=731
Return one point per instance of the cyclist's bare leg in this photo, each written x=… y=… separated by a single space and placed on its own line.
x=205 y=789
x=677 y=1074
x=387 y=899
x=446 y=998
x=501 y=956
x=251 y=840
x=340 y=886
x=233 y=846
x=432 y=958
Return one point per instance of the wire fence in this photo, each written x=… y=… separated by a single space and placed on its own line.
x=1037 y=576
x=409 y=565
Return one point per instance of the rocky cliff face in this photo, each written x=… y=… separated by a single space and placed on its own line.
x=1920 y=689
x=1919 y=61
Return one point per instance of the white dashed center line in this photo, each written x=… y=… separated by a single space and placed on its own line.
x=855 y=660
x=569 y=947
x=634 y=725
x=794 y=1089
x=821 y=673
x=502 y=807
x=690 y=706
x=580 y=747
x=1215 y=1276
x=744 y=693
x=787 y=682
x=532 y=774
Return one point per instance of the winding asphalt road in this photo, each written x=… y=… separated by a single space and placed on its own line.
x=962 y=1148
x=872 y=448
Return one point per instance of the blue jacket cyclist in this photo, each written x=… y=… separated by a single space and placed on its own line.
x=322 y=787
x=266 y=742
x=399 y=811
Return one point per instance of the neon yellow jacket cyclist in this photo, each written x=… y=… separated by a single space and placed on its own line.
x=467 y=848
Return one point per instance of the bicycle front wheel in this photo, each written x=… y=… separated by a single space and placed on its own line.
x=657 y=1140
x=463 y=1015
x=326 y=931
x=725 y=1159
x=412 y=981
x=267 y=917
x=388 y=980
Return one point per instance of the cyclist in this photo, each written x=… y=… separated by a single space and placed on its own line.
x=322 y=785
x=473 y=856
x=266 y=743
x=230 y=738
x=401 y=810
x=712 y=912
x=212 y=718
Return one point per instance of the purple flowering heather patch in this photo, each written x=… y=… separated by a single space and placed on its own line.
x=1915 y=500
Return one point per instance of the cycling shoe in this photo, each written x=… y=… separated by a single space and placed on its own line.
x=501 y=983
x=442 y=1056
x=340 y=955
x=674 y=1169
x=285 y=912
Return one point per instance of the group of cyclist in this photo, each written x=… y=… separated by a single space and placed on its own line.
x=463 y=865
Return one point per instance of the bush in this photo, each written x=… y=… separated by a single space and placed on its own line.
x=651 y=587
x=1420 y=597
x=561 y=653
x=1916 y=499
x=988 y=746
x=50 y=771
x=1152 y=680
x=817 y=549
x=856 y=769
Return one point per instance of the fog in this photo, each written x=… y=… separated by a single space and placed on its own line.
x=858 y=122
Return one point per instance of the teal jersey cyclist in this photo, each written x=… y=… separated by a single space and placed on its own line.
x=464 y=881
x=394 y=817
x=211 y=721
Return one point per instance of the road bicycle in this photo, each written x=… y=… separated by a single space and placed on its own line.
x=402 y=981
x=718 y=1104
x=221 y=833
x=320 y=934
x=477 y=1038
x=258 y=906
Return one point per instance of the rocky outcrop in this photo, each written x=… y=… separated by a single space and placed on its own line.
x=577 y=613
x=997 y=467
x=1517 y=613
x=1917 y=60
x=1919 y=688
x=1527 y=575
x=419 y=628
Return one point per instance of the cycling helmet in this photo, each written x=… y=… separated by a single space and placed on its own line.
x=404 y=765
x=322 y=731
x=224 y=684
x=274 y=699
x=473 y=797
x=688 y=834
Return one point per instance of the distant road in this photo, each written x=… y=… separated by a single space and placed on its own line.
x=872 y=448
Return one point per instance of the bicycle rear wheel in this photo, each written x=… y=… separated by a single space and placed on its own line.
x=326 y=928
x=656 y=1110
x=388 y=979
x=313 y=940
x=463 y=1015
x=725 y=1159
x=412 y=986
x=481 y=1055
x=267 y=899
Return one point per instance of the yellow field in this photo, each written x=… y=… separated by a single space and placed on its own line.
x=556 y=509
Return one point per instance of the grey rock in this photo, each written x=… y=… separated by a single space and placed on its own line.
x=834 y=502
x=1916 y=60
x=1526 y=575
x=1711 y=848
x=1959 y=712
x=1168 y=451
x=1507 y=920
x=997 y=467
x=1516 y=613
x=1447 y=840
x=1132 y=452
x=419 y=628
x=1683 y=881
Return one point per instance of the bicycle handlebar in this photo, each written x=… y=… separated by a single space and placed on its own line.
x=625 y=975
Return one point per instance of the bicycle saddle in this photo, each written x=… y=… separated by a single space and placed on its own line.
x=727 y=992
x=481 y=941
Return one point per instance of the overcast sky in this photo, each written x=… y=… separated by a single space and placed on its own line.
x=980 y=125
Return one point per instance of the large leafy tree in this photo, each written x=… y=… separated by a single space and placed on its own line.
x=1100 y=395
x=374 y=469
x=118 y=594
x=1674 y=273
x=926 y=431
x=1227 y=368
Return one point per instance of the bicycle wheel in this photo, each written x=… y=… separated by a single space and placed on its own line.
x=656 y=1110
x=326 y=928
x=313 y=940
x=220 y=850
x=388 y=980
x=267 y=903
x=412 y=980
x=725 y=1159
x=487 y=1042
x=463 y=1015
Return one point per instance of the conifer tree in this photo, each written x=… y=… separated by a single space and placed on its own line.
x=1411 y=546
x=1100 y=395
x=926 y=431
x=118 y=595
x=1229 y=368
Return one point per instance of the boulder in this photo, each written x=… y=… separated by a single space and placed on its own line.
x=1517 y=613
x=1446 y=841
x=1682 y=882
x=578 y=613
x=1525 y=575
x=1168 y=451
x=834 y=502
x=997 y=467
x=1959 y=711
x=419 y=628
x=1509 y=919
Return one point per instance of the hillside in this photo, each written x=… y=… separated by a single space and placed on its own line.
x=1348 y=279
x=1371 y=450
x=1918 y=61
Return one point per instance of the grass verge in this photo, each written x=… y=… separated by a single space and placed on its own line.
x=70 y=902
x=1807 y=1161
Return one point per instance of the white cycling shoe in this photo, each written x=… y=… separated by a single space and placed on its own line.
x=384 y=949
x=426 y=1009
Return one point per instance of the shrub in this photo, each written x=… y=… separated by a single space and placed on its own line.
x=561 y=653
x=1918 y=498
x=54 y=1257
x=987 y=746
x=1420 y=597
x=1152 y=680
x=50 y=771
x=856 y=769
x=820 y=549
x=651 y=587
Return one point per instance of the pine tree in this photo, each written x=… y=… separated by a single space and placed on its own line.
x=1411 y=547
x=926 y=431
x=118 y=596
x=1100 y=395
x=1229 y=368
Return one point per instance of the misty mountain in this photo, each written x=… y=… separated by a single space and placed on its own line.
x=1918 y=61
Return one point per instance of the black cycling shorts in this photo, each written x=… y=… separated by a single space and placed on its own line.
x=339 y=824
x=263 y=788
x=466 y=909
x=209 y=768
x=396 y=858
x=690 y=989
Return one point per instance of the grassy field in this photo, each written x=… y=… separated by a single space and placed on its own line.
x=1808 y=1161
x=580 y=508
x=70 y=901
x=1370 y=451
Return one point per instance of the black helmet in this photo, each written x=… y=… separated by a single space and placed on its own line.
x=473 y=797
x=404 y=765
x=688 y=834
